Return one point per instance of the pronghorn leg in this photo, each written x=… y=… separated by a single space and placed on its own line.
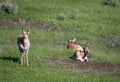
x=21 y=59
x=24 y=59
x=26 y=54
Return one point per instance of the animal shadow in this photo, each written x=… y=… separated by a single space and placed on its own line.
x=14 y=59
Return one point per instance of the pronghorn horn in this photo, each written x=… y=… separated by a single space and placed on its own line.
x=28 y=31
x=74 y=40
x=84 y=47
x=23 y=30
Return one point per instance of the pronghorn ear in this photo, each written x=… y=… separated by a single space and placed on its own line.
x=28 y=31
x=74 y=39
x=23 y=31
x=68 y=41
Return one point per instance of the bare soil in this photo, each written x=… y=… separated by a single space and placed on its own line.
x=83 y=67
x=29 y=23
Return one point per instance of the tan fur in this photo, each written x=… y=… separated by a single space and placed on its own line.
x=73 y=46
x=78 y=55
x=24 y=45
x=20 y=36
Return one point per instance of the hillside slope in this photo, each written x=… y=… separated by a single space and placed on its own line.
x=91 y=22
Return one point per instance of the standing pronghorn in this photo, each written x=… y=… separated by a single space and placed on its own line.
x=24 y=45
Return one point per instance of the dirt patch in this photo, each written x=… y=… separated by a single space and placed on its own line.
x=115 y=42
x=28 y=22
x=83 y=67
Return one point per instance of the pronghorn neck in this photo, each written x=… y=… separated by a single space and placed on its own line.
x=26 y=41
x=85 y=53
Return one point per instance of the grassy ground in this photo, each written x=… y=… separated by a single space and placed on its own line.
x=97 y=25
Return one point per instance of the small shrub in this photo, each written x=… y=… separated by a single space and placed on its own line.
x=61 y=16
x=75 y=14
x=9 y=8
x=112 y=2
x=2 y=13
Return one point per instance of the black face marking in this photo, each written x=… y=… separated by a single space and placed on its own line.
x=85 y=53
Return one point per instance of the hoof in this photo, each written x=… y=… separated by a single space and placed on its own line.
x=28 y=65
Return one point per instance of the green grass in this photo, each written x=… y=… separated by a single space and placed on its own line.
x=97 y=26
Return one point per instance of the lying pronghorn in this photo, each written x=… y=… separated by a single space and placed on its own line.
x=73 y=46
x=81 y=55
x=24 y=45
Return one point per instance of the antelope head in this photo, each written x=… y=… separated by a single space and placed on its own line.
x=71 y=41
x=86 y=49
x=25 y=33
